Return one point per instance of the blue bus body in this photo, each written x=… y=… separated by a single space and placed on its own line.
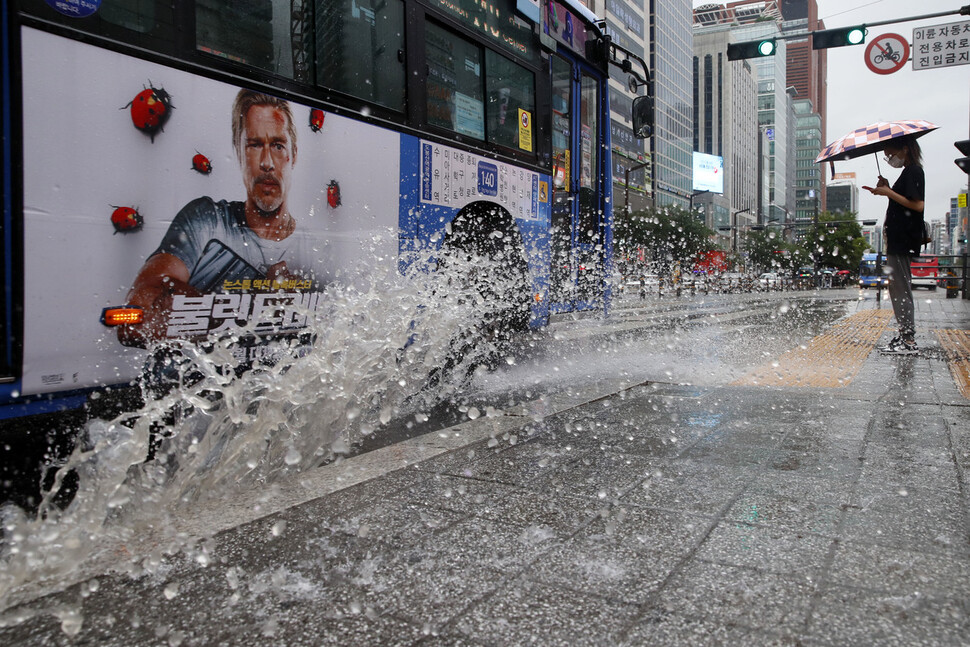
x=869 y=277
x=388 y=174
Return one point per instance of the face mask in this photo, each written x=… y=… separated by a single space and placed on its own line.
x=895 y=161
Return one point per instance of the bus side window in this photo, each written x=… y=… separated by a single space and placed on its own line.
x=124 y=20
x=359 y=45
x=136 y=15
x=455 y=98
x=510 y=88
x=269 y=34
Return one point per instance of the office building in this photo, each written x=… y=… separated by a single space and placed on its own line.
x=725 y=107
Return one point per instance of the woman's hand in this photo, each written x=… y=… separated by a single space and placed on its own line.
x=881 y=188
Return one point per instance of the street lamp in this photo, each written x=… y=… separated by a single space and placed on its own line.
x=734 y=219
x=694 y=195
x=626 y=175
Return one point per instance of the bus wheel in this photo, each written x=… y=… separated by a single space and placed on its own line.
x=484 y=257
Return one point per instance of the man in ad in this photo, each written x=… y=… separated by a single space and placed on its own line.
x=221 y=263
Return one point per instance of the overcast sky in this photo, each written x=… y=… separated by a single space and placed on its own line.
x=857 y=96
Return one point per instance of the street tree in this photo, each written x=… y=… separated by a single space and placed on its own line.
x=836 y=241
x=661 y=237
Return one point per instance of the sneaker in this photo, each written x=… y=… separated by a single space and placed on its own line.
x=899 y=346
x=895 y=341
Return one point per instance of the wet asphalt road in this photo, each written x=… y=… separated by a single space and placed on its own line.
x=636 y=491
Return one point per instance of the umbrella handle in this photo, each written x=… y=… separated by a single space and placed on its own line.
x=878 y=170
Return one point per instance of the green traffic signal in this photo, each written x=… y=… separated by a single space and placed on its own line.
x=751 y=49
x=839 y=37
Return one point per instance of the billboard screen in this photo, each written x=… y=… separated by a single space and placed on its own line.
x=708 y=173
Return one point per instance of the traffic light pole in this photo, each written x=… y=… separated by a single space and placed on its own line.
x=962 y=11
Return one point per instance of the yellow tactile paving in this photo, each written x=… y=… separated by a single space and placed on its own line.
x=830 y=360
x=956 y=345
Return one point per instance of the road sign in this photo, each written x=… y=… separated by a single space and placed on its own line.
x=887 y=53
x=941 y=45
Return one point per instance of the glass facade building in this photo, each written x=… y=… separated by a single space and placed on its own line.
x=671 y=62
x=808 y=174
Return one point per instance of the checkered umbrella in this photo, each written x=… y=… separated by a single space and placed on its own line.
x=872 y=139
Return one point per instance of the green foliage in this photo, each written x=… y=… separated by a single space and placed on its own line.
x=839 y=245
x=665 y=236
x=662 y=237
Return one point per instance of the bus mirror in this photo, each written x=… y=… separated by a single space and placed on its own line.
x=643 y=117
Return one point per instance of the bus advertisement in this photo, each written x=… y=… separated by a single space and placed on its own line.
x=221 y=185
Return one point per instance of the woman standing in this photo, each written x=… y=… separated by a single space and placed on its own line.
x=903 y=231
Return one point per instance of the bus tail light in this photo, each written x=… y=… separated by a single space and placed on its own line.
x=122 y=315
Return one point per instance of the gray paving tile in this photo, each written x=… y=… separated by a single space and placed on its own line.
x=601 y=474
x=525 y=612
x=904 y=525
x=498 y=546
x=900 y=571
x=795 y=485
x=847 y=616
x=456 y=493
x=794 y=514
x=690 y=486
x=770 y=549
x=662 y=627
x=730 y=595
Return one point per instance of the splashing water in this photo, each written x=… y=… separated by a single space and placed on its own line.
x=368 y=363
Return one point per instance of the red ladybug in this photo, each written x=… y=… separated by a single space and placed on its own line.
x=333 y=194
x=201 y=163
x=150 y=109
x=126 y=219
x=316 y=119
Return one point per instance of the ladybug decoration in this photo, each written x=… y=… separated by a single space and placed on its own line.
x=126 y=219
x=150 y=109
x=316 y=119
x=201 y=163
x=333 y=194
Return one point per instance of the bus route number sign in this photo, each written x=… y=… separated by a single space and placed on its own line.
x=487 y=179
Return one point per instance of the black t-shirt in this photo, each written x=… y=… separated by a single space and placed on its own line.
x=904 y=228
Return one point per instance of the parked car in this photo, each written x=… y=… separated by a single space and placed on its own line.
x=769 y=281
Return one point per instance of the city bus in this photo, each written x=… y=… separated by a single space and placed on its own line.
x=366 y=132
x=869 y=275
x=925 y=271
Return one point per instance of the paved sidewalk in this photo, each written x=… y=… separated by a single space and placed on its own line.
x=652 y=514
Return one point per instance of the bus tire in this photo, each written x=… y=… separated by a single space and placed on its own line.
x=487 y=232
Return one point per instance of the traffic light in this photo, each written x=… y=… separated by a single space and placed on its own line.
x=751 y=49
x=839 y=37
x=963 y=162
